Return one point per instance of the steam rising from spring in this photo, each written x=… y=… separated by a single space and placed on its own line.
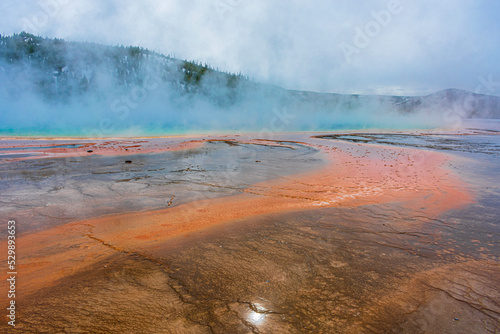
x=57 y=88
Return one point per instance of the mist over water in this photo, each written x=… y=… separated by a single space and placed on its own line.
x=163 y=111
x=56 y=88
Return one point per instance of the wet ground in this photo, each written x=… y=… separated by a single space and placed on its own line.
x=53 y=191
x=481 y=142
x=376 y=262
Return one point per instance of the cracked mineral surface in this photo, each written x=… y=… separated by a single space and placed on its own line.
x=305 y=233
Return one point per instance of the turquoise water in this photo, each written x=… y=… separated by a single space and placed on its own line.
x=179 y=131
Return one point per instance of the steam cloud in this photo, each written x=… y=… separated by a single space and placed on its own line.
x=78 y=89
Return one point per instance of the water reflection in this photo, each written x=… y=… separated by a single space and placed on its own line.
x=257 y=314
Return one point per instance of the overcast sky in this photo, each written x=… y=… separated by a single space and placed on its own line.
x=370 y=46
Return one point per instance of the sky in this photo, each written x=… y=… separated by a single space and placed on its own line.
x=396 y=47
